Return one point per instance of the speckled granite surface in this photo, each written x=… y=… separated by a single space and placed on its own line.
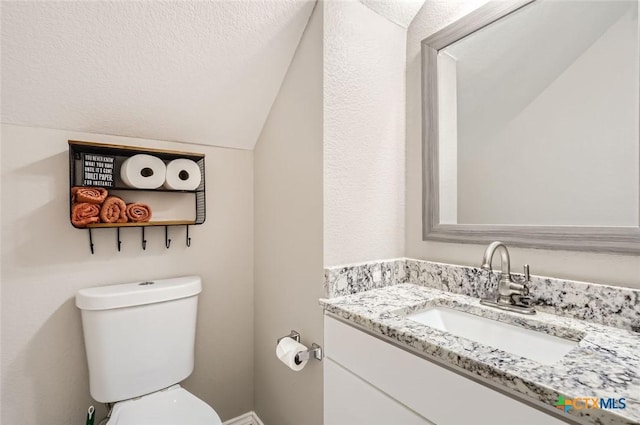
x=603 y=304
x=351 y=279
x=606 y=362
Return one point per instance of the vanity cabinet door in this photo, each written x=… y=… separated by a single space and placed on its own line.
x=348 y=400
x=435 y=393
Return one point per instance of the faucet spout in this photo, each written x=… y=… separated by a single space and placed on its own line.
x=510 y=293
x=505 y=262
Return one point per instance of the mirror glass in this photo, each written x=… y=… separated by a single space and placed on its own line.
x=537 y=117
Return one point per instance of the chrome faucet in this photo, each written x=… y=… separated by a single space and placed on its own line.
x=512 y=296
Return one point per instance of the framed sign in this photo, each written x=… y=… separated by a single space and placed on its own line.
x=98 y=170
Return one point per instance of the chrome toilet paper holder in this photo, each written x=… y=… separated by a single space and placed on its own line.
x=301 y=356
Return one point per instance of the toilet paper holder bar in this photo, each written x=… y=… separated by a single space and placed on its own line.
x=315 y=349
x=293 y=335
x=301 y=356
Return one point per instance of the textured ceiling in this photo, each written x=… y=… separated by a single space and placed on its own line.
x=400 y=12
x=202 y=72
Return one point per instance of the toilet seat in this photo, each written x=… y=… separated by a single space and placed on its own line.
x=172 y=406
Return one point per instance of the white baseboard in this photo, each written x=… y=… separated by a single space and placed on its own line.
x=249 y=418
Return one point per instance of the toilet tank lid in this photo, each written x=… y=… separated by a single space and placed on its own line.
x=138 y=293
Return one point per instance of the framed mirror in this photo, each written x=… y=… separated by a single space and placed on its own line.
x=531 y=126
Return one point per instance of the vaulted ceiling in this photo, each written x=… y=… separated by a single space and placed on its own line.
x=197 y=71
x=400 y=12
x=202 y=72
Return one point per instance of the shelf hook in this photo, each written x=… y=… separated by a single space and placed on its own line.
x=90 y=241
x=144 y=241
x=118 y=238
x=188 y=238
x=167 y=241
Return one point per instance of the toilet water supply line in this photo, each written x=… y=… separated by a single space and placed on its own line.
x=90 y=415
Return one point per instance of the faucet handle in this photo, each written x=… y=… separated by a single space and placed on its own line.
x=522 y=300
x=527 y=276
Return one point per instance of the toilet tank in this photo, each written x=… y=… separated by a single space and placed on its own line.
x=140 y=336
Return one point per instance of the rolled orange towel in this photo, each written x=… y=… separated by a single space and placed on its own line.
x=138 y=213
x=113 y=210
x=84 y=213
x=91 y=195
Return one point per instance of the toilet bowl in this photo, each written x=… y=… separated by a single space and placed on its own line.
x=140 y=339
x=172 y=406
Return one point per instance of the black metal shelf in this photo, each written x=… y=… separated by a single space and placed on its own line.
x=160 y=189
x=121 y=153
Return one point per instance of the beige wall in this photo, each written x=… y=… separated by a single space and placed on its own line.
x=1 y=279
x=288 y=238
x=364 y=65
x=599 y=268
x=45 y=262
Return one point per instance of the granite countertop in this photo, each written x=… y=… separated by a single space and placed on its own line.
x=606 y=362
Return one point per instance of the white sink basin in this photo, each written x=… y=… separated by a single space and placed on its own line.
x=540 y=347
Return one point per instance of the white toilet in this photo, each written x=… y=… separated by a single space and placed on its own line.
x=140 y=340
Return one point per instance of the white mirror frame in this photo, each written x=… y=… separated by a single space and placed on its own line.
x=622 y=240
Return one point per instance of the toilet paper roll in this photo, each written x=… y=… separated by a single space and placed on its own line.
x=182 y=174
x=286 y=351
x=143 y=172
